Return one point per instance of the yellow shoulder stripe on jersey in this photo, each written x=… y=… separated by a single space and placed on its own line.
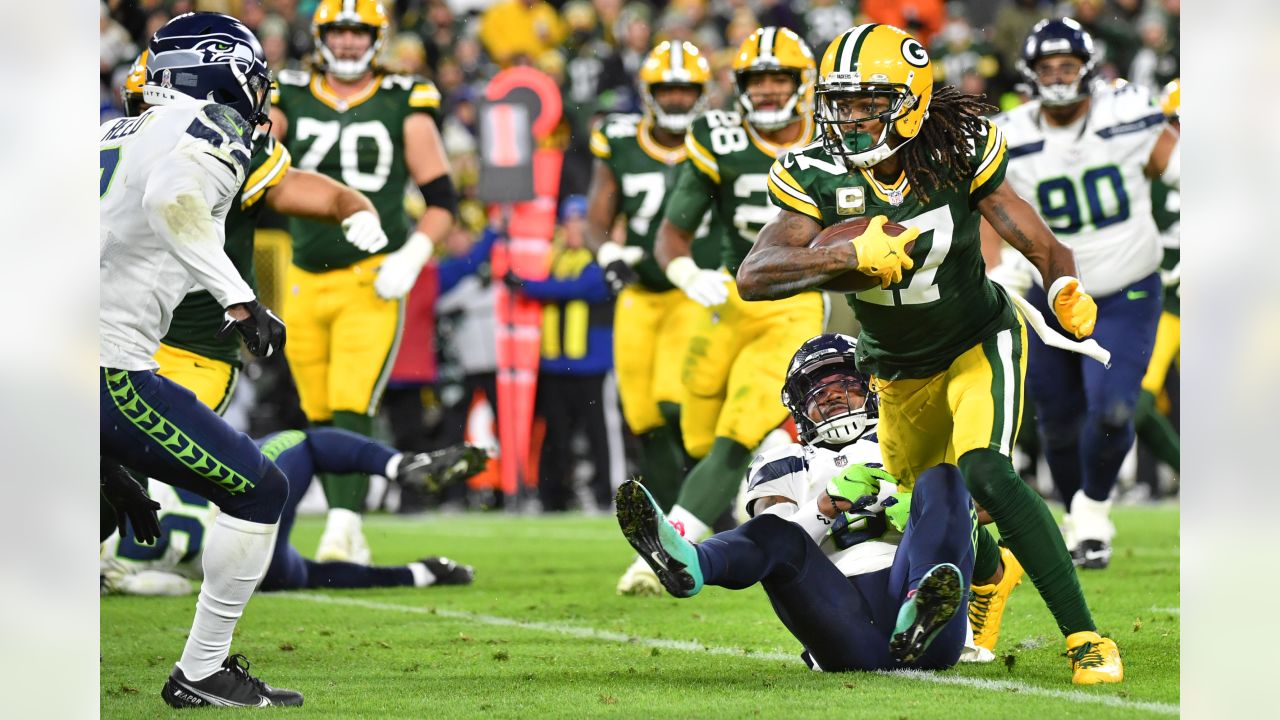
x=600 y=145
x=321 y=90
x=993 y=155
x=785 y=188
x=266 y=176
x=424 y=95
x=702 y=160
x=882 y=190
x=656 y=150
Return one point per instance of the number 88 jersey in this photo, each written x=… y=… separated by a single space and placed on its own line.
x=358 y=141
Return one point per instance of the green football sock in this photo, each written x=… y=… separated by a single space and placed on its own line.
x=714 y=481
x=662 y=464
x=1028 y=529
x=986 y=557
x=348 y=490
x=1157 y=433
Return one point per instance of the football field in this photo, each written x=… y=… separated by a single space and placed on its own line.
x=542 y=634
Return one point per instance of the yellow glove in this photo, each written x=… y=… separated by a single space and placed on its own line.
x=1075 y=308
x=882 y=255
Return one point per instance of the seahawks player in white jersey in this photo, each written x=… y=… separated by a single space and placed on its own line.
x=168 y=178
x=843 y=555
x=1084 y=153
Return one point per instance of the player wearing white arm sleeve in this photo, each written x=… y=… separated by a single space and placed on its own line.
x=168 y=178
x=1085 y=152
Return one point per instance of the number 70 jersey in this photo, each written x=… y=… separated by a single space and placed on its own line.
x=358 y=141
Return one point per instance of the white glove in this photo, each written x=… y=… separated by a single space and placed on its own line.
x=364 y=230
x=611 y=252
x=708 y=288
x=400 y=270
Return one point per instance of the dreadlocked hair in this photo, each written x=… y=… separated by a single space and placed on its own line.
x=938 y=157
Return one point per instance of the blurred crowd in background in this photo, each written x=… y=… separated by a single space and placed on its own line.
x=593 y=48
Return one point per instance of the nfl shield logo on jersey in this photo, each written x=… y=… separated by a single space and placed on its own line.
x=841 y=461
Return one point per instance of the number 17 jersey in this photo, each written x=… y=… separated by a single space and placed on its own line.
x=358 y=141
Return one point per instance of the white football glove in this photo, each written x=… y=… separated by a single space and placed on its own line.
x=364 y=230
x=611 y=252
x=708 y=288
x=399 y=271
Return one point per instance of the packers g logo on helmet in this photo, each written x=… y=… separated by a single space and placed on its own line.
x=674 y=62
x=775 y=50
x=366 y=15
x=880 y=61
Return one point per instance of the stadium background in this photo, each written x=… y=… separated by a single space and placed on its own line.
x=592 y=49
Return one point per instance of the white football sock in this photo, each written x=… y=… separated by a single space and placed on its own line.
x=393 y=466
x=343 y=522
x=422 y=575
x=1091 y=519
x=694 y=529
x=236 y=556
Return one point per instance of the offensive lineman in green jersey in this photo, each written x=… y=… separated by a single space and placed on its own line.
x=345 y=306
x=738 y=359
x=636 y=161
x=943 y=343
x=190 y=354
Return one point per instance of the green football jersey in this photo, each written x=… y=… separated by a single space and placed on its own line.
x=728 y=170
x=1166 y=207
x=945 y=304
x=645 y=170
x=199 y=316
x=358 y=141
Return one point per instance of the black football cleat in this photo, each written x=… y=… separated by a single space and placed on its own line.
x=448 y=572
x=1092 y=555
x=232 y=686
x=927 y=610
x=442 y=468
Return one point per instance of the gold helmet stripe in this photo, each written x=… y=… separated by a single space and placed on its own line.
x=677 y=58
x=767 y=39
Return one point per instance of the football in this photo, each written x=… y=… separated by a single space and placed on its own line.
x=853 y=281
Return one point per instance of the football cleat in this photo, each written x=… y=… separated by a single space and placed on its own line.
x=639 y=579
x=927 y=610
x=976 y=654
x=1092 y=555
x=672 y=558
x=344 y=545
x=448 y=572
x=232 y=686
x=987 y=602
x=1094 y=659
x=439 y=469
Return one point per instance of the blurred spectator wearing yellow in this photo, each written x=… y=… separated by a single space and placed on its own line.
x=517 y=29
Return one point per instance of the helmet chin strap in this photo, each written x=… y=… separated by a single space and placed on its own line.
x=1060 y=94
x=878 y=153
x=347 y=69
x=770 y=120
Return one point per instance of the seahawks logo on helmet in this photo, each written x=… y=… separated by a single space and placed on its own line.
x=223 y=50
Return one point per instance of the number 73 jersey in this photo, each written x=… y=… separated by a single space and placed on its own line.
x=945 y=304
x=358 y=141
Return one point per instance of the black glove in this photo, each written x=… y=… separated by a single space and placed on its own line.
x=130 y=501
x=618 y=275
x=262 y=332
x=513 y=281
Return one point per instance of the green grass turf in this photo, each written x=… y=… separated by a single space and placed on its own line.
x=542 y=634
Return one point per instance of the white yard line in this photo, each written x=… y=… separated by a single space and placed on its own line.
x=588 y=633
x=1170 y=610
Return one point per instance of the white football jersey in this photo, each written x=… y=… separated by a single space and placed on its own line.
x=185 y=518
x=1087 y=182
x=168 y=178
x=801 y=472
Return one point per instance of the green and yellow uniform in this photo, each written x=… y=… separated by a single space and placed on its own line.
x=738 y=359
x=945 y=344
x=1166 y=208
x=343 y=337
x=190 y=354
x=653 y=321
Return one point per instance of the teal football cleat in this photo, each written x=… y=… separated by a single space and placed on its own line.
x=660 y=545
x=926 y=612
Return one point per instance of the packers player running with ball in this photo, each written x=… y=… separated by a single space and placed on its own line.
x=344 y=305
x=191 y=353
x=636 y=161
x=944 y=344
x=738 y=356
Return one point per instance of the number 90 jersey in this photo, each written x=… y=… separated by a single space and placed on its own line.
x=1088 y=183
x=358 y=141
x=728 y=165
x=945 y=304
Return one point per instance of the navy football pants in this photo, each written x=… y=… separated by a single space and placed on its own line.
x=159 y=429
x=845 y=623
x=1085 y=411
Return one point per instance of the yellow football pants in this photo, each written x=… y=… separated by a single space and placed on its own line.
x=1165 y=352
x=213 y=381
x=975 y=403
x=651 y=331
x=342 y=338
x=737 y=363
